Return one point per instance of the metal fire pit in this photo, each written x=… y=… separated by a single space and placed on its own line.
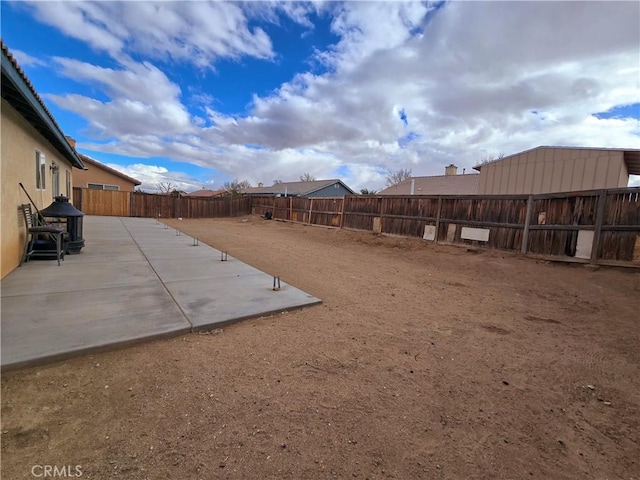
x=61 y=208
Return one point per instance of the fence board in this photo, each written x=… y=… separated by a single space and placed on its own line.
x=570 y=210
x=618 y=246
x=359 y=212
x=553 y=242
x=623 y=209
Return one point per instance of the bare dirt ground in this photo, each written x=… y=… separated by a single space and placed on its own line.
x=424 y=361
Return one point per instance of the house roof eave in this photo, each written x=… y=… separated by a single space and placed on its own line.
x=20 y=94
x=113 y=171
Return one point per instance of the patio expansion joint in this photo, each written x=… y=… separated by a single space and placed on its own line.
x=184 y=314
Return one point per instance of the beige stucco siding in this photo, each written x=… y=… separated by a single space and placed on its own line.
x=94 y=174
x=550 y=170
x=19 y=142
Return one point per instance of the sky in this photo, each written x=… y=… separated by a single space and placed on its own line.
x=200 y=93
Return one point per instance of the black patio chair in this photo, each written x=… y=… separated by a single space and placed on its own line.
x=34 y=246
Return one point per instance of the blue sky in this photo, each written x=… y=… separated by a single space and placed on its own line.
x=198 y=93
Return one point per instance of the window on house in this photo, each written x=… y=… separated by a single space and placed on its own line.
x=68 y=181
x=102 y=186
x=55 y=179
x=41 y=170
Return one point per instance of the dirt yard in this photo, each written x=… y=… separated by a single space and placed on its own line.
x=424 y=361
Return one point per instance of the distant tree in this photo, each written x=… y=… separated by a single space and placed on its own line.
x=490 y=158
x=236 y=187
x=307 y=177
x=167 y=187
x=366 y=191
x=138 y=190
x=398 y=176
x=275 y=182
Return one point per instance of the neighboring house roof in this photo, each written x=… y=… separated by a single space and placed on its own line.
x=95 y=163
x=299 y=189
x=20 y=93
x=631 y=156
x=437 y=185
x=204 y=192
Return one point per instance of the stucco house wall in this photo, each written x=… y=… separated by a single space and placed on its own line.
x=97 y=173
x=19 y=142
x=554 y=169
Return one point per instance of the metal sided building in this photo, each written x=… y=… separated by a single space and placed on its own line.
x=559 y=169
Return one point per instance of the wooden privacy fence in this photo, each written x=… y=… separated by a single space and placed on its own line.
x=601 y=227
x=138 y=204
x=174 y=206
x=102 y=202
x=312 y=211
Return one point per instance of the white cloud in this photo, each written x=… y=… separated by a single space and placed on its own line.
x=143 y=99
x=82 y=20
x=198 y=32
x=472 y=78
x=153 y=175
x=368 y=28
x=26 y=60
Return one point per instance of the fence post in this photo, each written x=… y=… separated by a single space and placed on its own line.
x=595 y=246
x=290 y=208
x=310 y=211
x=77 y=198
x=527 y=224
x=435 y=240
x=344 y=199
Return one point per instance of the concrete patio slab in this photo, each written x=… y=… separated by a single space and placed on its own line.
x=234 y=298
x=113 y=254
x=52 y=326
x=109 y=274
x=201 y=268
x=135 y=280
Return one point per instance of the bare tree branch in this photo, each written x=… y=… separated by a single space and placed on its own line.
x=398 y=176
x=166 y=187
x=490 y=158
x=236 y=187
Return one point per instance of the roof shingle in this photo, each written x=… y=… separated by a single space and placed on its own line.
x=293 y=188
x=437 y=185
